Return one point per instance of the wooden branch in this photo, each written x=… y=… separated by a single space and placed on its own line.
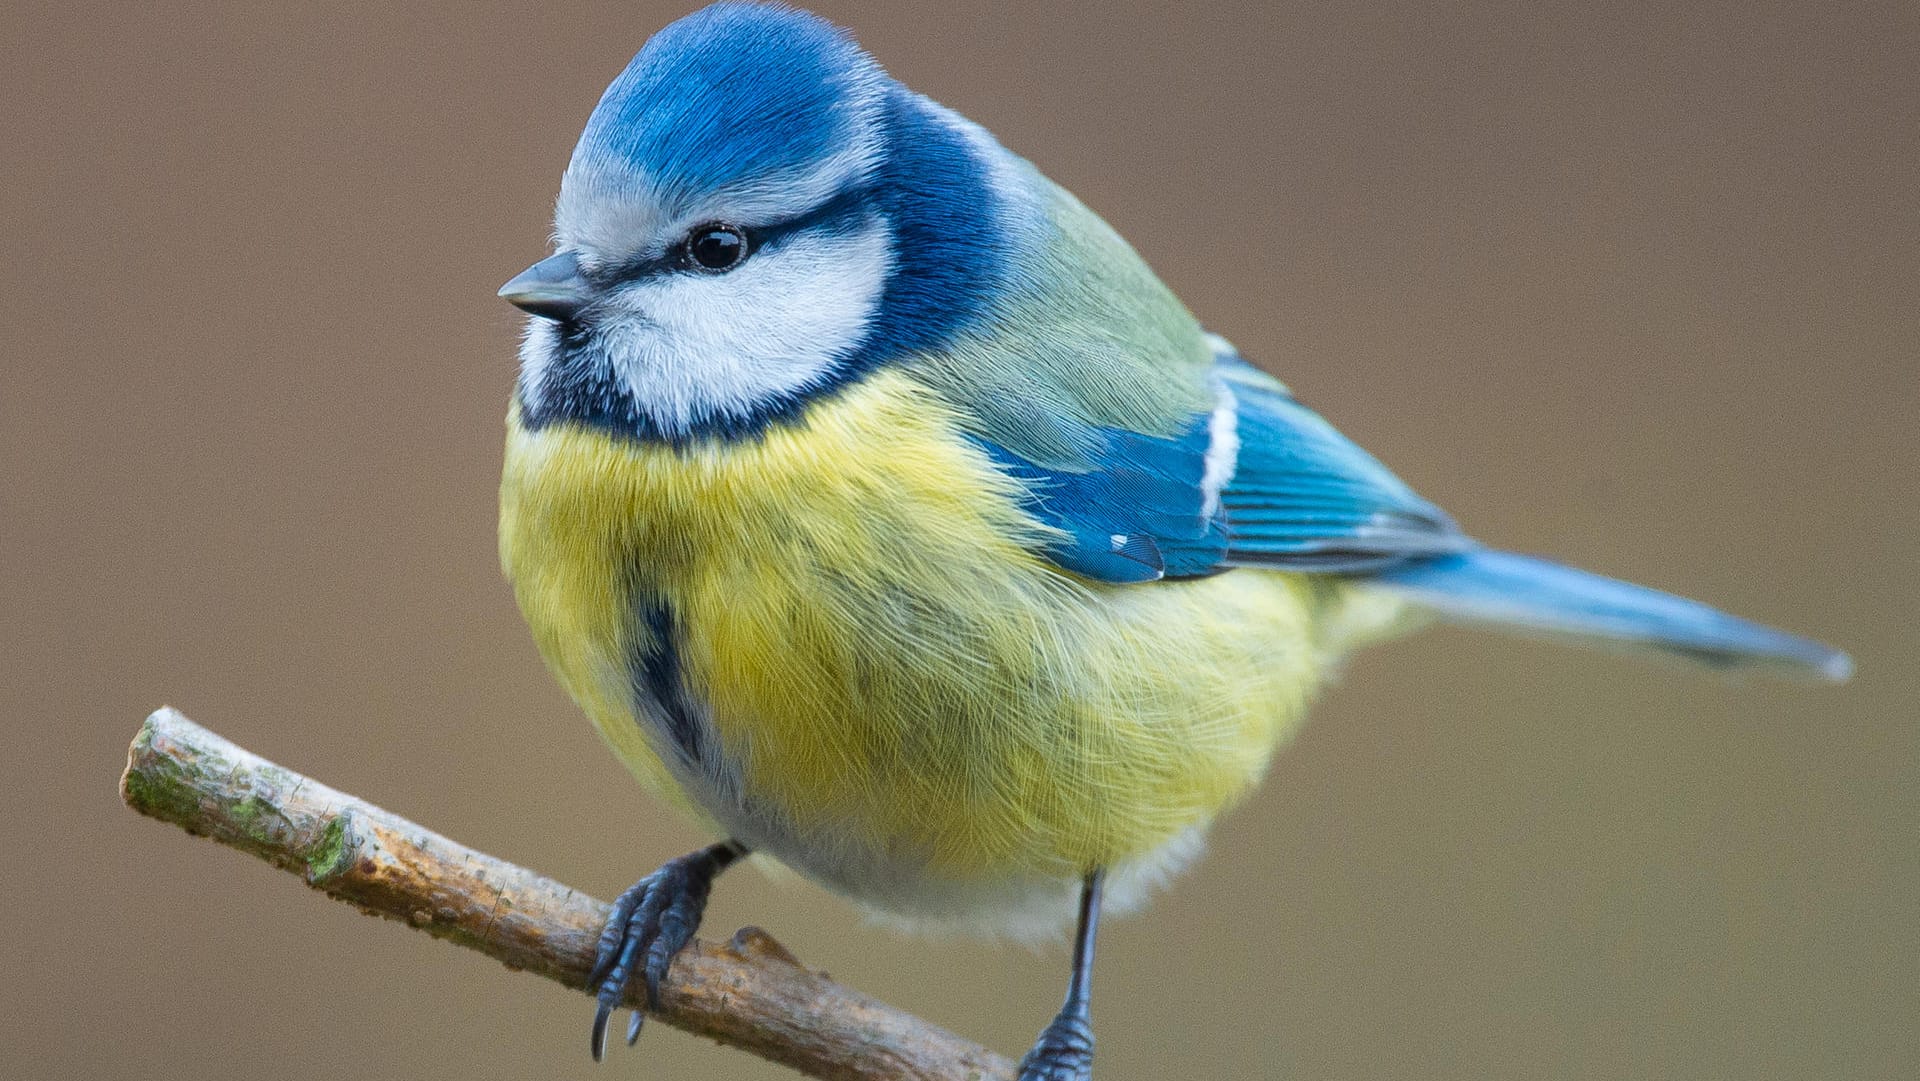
x=749 y=993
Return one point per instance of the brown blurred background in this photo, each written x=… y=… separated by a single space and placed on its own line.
x=1635 y=288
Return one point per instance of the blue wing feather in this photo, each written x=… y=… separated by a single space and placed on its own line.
x=1302 y=496
x=1136 y=518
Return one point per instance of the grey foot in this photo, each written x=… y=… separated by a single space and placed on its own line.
x=1064 y=1052
x=650 y=923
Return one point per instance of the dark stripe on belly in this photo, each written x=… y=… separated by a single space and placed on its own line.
x=654 y=667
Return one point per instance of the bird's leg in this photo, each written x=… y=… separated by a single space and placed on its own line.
x=1064 y=1051
x=649 y=924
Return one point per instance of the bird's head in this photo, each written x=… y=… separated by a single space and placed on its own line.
x=755 y=214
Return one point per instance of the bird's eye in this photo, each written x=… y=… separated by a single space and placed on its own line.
x=716 y=247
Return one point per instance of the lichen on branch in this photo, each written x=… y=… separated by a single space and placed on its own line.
x=749 y=993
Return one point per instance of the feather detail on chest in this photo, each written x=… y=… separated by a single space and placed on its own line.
x=840 y=640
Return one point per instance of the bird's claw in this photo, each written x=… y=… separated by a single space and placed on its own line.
x=650 y=923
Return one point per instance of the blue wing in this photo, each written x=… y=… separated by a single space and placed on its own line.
x=1304 y=497
x=1261 y=480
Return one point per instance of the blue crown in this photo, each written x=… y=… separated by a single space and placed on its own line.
x=730 y=94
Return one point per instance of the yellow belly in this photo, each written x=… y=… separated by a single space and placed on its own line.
x=898 y=689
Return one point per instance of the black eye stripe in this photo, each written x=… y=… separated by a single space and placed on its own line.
x=845 y=205
x=848 y=207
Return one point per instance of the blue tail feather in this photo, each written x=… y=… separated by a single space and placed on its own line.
x=1524 y=593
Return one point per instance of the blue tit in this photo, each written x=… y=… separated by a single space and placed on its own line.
x=888 y=515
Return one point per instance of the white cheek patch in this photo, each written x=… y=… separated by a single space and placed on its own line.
x=537 y=348
x=692 y=346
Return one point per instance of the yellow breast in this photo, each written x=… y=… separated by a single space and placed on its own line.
x=893 y=683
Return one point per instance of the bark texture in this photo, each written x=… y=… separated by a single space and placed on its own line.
x=749 y=992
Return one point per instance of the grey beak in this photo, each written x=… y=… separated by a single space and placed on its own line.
x=552 y=288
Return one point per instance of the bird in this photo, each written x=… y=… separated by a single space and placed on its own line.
x=891 y=518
